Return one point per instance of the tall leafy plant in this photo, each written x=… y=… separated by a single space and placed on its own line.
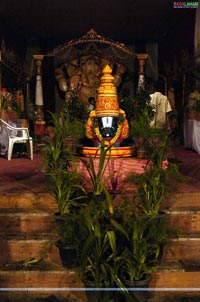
x=99 y=261
x=153 y=184
x=72 y=126
x=140 y=239
x=61 y=166
x=97 y=179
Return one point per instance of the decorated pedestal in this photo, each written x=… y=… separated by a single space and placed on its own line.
x=129 y=151
x=118 y=168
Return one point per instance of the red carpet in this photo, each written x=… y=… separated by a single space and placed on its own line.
x=22 y=174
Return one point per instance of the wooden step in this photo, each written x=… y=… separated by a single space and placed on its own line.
x=34 y=201
x=49 y=278
x=182 y=202
x=17 y=249
x=184 y=222
x=45 y=296
x=182 y=248
x=173 y=296
x=26 y=222
x=176 y=280
x=28 y=231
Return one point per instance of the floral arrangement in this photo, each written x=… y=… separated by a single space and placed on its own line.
x=8 y=101
x=192 y=109
x=96 y=130
x=194 y=101
x=113 y=140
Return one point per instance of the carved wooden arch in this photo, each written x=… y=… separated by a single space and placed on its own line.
x=91 y=37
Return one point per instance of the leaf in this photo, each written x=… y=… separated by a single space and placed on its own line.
x=112 y=240
x=119 y=227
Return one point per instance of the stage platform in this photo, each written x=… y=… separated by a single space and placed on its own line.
x=22 y=174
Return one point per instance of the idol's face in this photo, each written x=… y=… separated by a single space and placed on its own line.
x=108 y=126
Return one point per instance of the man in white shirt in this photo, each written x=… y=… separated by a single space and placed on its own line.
x=162 y=107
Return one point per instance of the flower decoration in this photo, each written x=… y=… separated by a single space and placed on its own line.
x=194 y=101
x=113 y=140
x=93 y=132
x=8 y=101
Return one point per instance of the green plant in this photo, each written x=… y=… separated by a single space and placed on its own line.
x=73 y=106
x=126 y=244
x=127 y=104
x=154 y=183
x=97 y=180
x=119 y=247
x=56 y=157
x=72 y=127
x=68 y=229
x=99 y=261
x=140 y=126
x=142 y=254
x=67 y=189
x=67 y=243
x=65 y=179
x=140 y=240
x=140 y=129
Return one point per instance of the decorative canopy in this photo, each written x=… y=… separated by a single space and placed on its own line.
x=91 y=42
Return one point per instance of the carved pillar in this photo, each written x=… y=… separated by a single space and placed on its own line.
x=142 y=57
x=27 y=96
x=39 y=118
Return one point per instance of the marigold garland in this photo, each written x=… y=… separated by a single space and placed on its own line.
x=113 y=140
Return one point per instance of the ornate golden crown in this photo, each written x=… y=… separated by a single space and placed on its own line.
x=107 y=101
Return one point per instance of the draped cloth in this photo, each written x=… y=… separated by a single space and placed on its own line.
x=192 y=134
x=4 y=134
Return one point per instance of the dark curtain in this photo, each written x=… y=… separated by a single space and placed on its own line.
x=48 y=80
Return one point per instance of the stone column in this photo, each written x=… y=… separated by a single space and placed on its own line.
x=142 y=57
x=39 y=117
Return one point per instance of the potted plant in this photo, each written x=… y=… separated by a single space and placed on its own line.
x=60 y=164
x=119 y=250
x=68 y=240
x=140 y=121
x=142 y=133
x=153 y=184
x=65 y=180
x=65 y=185
x=67 y=190
x=140 y=244
x=73 y=120
x=139 y=127
x=73 y=130
x=99 y=261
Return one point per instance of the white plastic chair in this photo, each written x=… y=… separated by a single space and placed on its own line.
x=18 y=135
